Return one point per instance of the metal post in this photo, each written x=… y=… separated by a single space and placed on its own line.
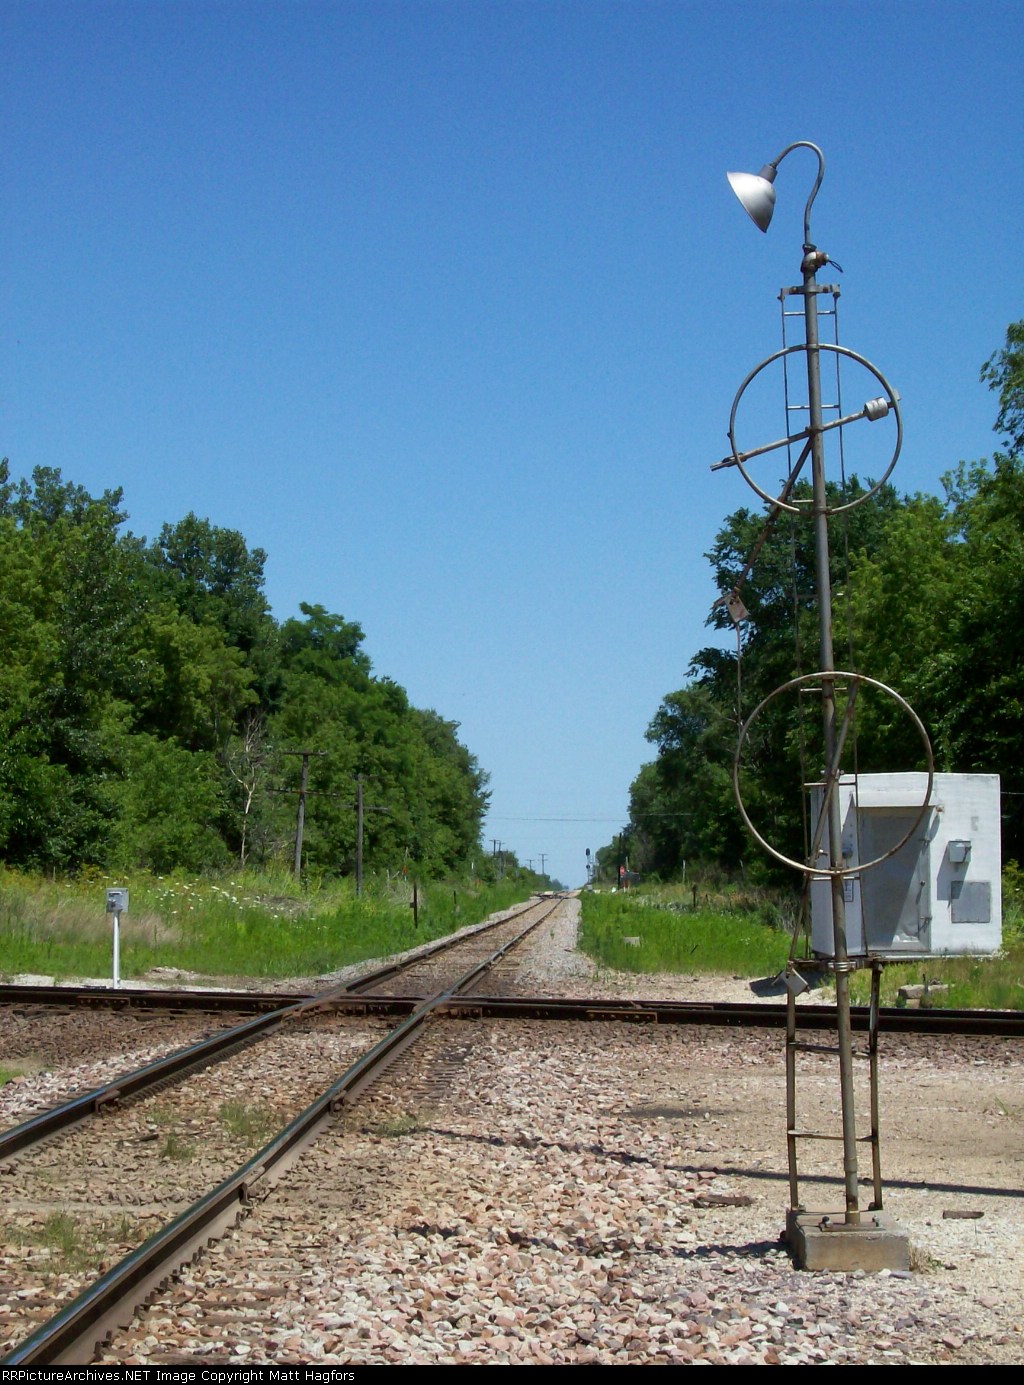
x=810 y=1234
x=876 y=1154
x=117 y=949
x=841 y=962
x=117 y=903
x=359 y=836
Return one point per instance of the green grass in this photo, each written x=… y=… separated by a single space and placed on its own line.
x=64 y=1238
x=747 y=933
x=71 y=1246
x=397 y=1127
x=974 y=983
x=708 y=939
x=176 y=1148
x=237 y=925
x=253 y=1124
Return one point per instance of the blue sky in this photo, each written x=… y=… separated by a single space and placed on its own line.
x=444 y=304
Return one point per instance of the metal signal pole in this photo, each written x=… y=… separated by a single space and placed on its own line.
x=362 y=808
x=875 y=1245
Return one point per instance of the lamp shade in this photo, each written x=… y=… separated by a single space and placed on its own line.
x=757 y=195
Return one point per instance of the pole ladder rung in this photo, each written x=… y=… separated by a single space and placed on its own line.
x=798 y=1046
x=816 y=1135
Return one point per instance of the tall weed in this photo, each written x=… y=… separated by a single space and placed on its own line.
x=240 y=924
x=701 y=940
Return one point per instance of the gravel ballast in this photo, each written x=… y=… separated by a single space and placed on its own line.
x=518 y=1192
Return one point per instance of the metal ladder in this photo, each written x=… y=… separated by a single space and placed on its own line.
x=795 y=1046
x=825 y=316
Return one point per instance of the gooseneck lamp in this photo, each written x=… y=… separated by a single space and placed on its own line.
x=756 y=191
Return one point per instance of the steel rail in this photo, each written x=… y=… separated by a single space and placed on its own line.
x=112 y=1300
x=151 y=998
x=977 y=1023
x=348 y=1001
x=747 y=1014
x=1008 y=1023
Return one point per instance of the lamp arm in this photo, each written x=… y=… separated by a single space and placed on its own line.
x=801 y=144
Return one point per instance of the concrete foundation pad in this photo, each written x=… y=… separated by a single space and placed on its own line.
x=823 y=1241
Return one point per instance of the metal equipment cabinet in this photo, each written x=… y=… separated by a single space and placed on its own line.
x=938 y=894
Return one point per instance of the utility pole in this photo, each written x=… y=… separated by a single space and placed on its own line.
x=303 y=790
x=362 y=808
x=543 y=858
x=359 y=836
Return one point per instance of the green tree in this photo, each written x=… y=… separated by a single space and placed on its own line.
x=897 y=618
x=170 y=807
x=213 y=575
x=426 y=791
x=979 y=711
x=928 y=597
x=326 y=645
x=1004 y=373
x=451 y=785
x=682 y=807
x=770 y=561
x=938 y=609
x=214 y=579
x=67 y=611
x=195 y=688
x=148 y=702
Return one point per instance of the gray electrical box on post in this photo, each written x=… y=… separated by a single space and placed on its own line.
x=935 y=890
x=117 y=904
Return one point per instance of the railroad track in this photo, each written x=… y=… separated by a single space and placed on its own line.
x=132 y=1145
x=415 y=974
x=364 y=996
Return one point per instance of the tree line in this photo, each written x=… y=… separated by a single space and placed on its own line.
x=150 y=702
x=928 y=599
